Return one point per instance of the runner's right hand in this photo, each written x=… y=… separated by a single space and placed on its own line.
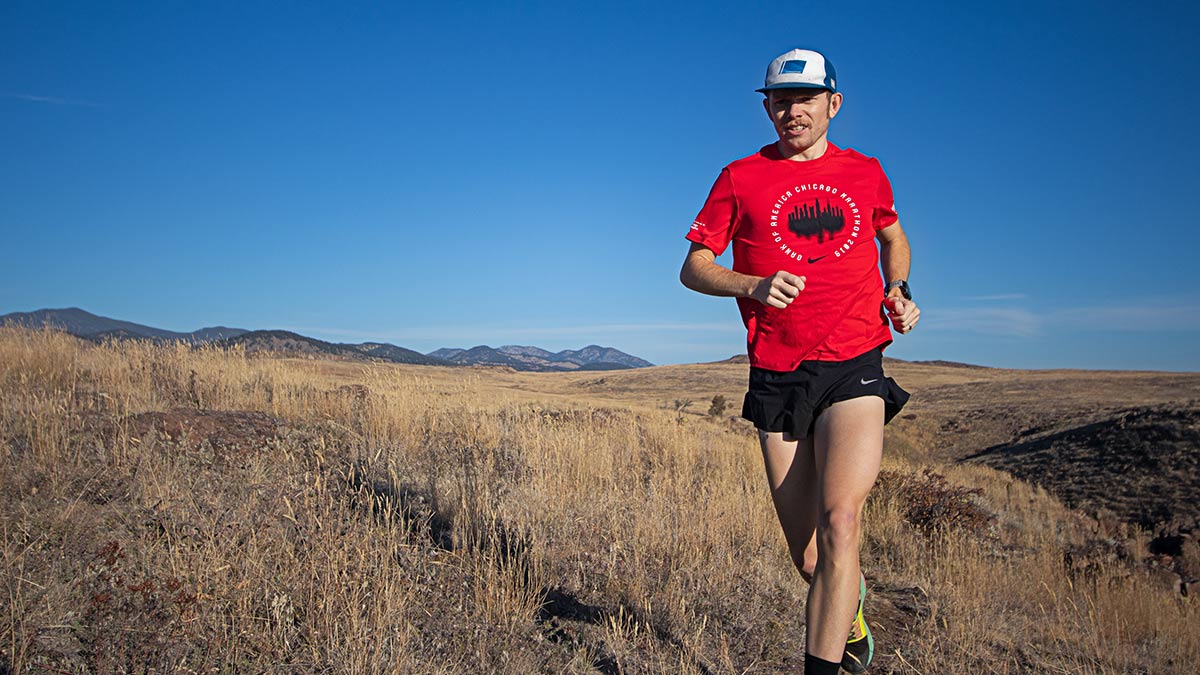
x=779 y=289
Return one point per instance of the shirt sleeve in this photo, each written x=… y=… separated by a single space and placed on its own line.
x=885 y=204
x=716 y=223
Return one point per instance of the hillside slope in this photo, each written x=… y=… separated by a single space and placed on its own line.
x=165 y=506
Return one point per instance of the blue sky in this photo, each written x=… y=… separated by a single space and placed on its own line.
x=524 y=173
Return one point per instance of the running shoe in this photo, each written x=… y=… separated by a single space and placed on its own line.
x=860 y=648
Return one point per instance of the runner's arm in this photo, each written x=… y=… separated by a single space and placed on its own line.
x=894 y=255
x=896 y=259
x=702 y=274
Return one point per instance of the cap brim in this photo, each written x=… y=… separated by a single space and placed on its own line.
x=795 y=85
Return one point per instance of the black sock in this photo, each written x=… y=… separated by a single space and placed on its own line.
x=815 y=665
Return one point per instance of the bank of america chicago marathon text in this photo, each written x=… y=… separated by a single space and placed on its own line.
x=816 y=187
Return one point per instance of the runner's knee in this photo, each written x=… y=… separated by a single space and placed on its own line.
x=839 y=529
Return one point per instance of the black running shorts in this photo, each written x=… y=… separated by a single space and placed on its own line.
x=791 y=402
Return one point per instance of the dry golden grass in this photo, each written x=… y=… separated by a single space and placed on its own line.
x=175 y=510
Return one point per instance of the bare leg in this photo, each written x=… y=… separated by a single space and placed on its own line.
x=847 y=451
x=793 y=478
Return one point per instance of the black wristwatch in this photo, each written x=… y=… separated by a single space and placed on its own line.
x=902 y=284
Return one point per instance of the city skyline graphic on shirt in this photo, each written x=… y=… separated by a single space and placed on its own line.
x=816 y=221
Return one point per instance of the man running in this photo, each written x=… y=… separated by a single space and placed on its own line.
x=801 y=214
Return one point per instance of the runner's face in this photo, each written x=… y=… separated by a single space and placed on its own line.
x=801 y=116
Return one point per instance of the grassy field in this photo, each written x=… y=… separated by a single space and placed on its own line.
x=172 y=510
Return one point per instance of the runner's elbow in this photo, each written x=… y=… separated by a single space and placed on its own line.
x=687 y=275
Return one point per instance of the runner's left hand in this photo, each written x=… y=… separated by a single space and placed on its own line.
x=904 y=314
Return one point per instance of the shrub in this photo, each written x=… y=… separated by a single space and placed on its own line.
x=930 y=503
x=718 y=406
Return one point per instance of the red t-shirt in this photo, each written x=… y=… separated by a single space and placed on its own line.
x=815 y=219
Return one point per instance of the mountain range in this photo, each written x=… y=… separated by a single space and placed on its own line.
x=592 y=357
x=99 y=329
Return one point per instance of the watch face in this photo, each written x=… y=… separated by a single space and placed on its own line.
x=902 y=285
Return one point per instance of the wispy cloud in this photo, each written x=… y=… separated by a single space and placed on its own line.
x=51 y=100
x=1009 y=322
x=1150 y=316
x=1146 y=315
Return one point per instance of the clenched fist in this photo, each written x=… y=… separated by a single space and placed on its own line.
x=779 y=289
x=903 y=314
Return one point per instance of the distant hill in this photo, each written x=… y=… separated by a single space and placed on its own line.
x=285 y=342
x=120 y=334
x=390 y=352
x=217 y=333
x=518 y=357
x=604 y=365
x=593 y=354
x=949 y=364
x=445 y=354
x=99 y=328
x=527 y=352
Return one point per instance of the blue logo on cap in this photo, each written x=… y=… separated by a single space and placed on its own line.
x=792 y=67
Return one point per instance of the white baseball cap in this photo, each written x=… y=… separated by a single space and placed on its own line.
x=800 y=69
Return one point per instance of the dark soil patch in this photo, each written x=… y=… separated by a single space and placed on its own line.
x=1142 y=465
x=228 y=432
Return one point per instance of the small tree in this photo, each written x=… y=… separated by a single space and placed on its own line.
x=718 y=406
x=681 y=405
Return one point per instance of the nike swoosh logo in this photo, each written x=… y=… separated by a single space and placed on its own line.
x=813 y=260
x=868 y=381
